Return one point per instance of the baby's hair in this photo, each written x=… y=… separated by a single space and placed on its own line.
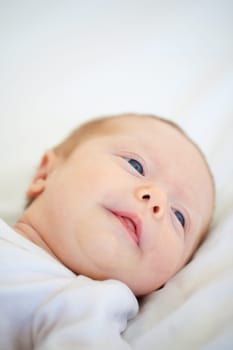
x=102 y=126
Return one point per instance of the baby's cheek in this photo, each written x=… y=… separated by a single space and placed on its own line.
x=166 y=255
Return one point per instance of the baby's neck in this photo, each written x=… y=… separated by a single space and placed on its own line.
x=27 y=230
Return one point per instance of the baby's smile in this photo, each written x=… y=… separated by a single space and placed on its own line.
x=131 y=222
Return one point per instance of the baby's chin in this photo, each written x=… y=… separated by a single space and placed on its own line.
x=142 y=288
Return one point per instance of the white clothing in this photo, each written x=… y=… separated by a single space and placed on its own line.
x=44 y=306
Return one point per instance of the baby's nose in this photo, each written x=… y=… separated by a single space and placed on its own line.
x=154 y=198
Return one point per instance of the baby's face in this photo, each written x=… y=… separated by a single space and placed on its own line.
x=130 y=205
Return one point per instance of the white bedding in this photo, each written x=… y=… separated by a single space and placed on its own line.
x=64 y=62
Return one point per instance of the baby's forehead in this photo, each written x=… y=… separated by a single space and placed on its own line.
x=155 y=131
x=136 y=125
x=148 y=131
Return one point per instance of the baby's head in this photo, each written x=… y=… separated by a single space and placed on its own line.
x=128 y=197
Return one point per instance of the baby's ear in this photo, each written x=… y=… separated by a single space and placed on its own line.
x=48 y=163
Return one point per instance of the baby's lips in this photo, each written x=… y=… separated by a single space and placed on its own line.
x=131 y=222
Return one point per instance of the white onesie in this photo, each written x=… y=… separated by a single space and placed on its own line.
x=43 y=305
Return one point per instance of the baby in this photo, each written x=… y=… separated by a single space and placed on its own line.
x=125 y=200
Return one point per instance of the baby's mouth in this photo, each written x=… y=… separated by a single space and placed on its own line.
x=130 y=222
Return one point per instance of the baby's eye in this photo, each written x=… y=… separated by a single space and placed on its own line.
x=136 y=165
x=180 y=217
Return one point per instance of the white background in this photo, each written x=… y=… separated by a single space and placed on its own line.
x=64 y=61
